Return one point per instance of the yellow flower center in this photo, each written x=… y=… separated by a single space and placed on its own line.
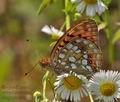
x=90 y=1
x=108 y=89
x=72 y=82
x=55 y=36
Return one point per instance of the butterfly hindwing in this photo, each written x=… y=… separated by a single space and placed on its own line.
x=77 y=49
x=79 y=55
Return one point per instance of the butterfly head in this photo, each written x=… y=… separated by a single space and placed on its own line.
x=45 y=62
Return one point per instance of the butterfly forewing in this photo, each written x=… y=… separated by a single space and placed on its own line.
x=77 y=50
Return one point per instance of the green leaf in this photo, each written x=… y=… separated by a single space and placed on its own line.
x=116 y=36
x=107 y=2
x=44 y=4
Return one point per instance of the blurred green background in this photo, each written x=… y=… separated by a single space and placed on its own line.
x=22 y=45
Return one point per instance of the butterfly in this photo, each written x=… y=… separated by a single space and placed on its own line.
x=77 y=50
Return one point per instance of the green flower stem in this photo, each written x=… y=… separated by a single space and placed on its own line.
x=110 y=46
x=111 y=52
x=109 y=35
x=37 y=99
x=67 y=22
x=90 y=96
x=67 y=16
x=45 y=79
x=38 y=96
x=62 y=27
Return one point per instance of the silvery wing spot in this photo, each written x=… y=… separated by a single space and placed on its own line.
x=83 y=62
x=78 y=50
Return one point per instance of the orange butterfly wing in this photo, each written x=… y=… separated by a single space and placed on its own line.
x=86 y=31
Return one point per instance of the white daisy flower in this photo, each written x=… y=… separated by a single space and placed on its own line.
x=71 y=86
x=55 y=33
x=105 y=85
x=90 y=6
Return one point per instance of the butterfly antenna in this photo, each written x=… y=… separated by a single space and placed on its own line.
x=32 y=46
x=31 y=69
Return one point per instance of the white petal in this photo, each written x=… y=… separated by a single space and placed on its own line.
x=85 y=92
x=100 y=8
x=75 y=1
x=78 y=95
x=60 y=33
x=60 y=89
x=68 y=95
x=58 y=83
x=90 y=10
x=56 y=31
x=64 y=94
x=81 y=7
x=46 y=29
x=71 y=96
